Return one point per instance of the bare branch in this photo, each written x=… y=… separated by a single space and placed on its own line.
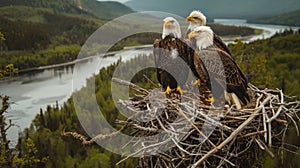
x=130 y=85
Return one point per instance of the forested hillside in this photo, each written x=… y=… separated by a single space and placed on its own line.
x=33 y=40
x=289 y=18
x=271 y=63
x=67 y=6
x=107 y=10
x=40 y=33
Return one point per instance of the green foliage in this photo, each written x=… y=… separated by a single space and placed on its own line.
x=223 y=30
x=2 y=44
x=289 y=18
x=6 y=154
x=34 y=35
x=25 y=35
x=2 y=37
x=297 y=160
x=27 y=158
x=39 y=36
x=106 y=10
x=51 y=39
x=3 y=157
x=59 y=6
x=26 y=153
x=268 y=162
x=9 y=70
x=55 y=55
x=271 y=63
x=274 y=63
x=66 y=151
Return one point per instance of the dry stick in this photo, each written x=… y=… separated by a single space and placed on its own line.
x=269 y=135
x=295 y=124
x=130 y=85
x=226 y=160
x=144 y=148
x=211 y=120
x=252 y=134
x=82 y=138
x=266 y=148
x=259 y=143
x=195 y=127
x=232 y=135
x=264 y=114
x=150 y=81
x=98 y=137
x=279 y=109
x=145 y=128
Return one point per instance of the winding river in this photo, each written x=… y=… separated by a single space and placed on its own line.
x=32 y=91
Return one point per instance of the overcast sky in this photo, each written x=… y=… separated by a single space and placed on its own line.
x=115 y=0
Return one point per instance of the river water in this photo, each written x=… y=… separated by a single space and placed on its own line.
x=268 y=30
x=30 y=92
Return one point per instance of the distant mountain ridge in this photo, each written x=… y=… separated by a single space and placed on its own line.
x=290 y=18
x=238 y=9
x=107 y=10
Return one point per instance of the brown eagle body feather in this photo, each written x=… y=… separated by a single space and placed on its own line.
x=170 y=56
x=215 y=66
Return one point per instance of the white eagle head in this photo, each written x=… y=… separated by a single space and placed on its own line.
x=196 y=18
x=203 y=35
x=171 y=27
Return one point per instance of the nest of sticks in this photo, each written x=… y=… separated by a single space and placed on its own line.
x=193 y=134
x=207 y=136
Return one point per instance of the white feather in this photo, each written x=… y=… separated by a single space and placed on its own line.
x=174 y=53
x=205 y=38
x=199 y=21
x=236 y=101
x=227 y=97
x=174 y=28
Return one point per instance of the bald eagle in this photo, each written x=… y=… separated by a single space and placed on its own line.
x=170 y=57
x=196 y=18
x=214 y=65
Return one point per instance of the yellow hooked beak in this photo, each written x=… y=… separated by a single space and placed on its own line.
x=192 y=35
x=167 y=24
x=189 y=19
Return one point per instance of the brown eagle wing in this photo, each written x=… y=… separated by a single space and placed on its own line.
x=171 y=61
x=222 y=68
x=220 y=44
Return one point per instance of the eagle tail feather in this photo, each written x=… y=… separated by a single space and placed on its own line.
x=235 y=101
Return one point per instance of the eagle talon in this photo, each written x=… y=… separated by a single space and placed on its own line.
x=168 y=91
x=179 y=90
x=210 y=99
x=197 y=82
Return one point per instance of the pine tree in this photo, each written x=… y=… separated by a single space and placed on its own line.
x=27 y=157
x=6 y=155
